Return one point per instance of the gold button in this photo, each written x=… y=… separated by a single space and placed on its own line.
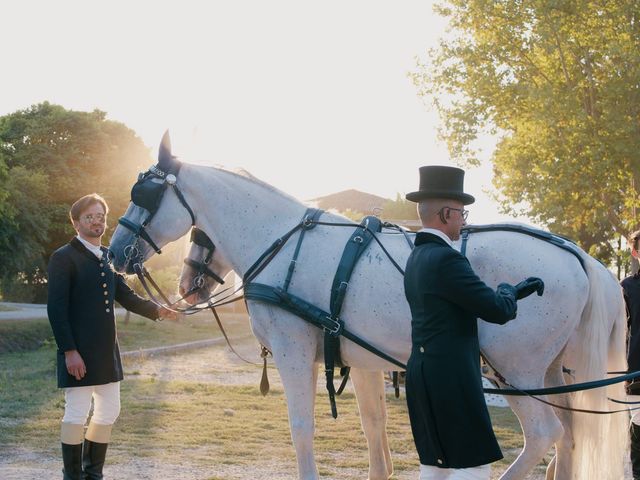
x=107 y=310
x=102 y=274
x=107 y=302
x=104 y=285
x=421 y=349
x=106 y=293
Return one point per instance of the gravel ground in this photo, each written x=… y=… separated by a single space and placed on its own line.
x=25 y=464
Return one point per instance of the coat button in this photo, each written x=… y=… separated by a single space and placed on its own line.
x=421 y=349
x=107 y=302
x=106 y=293
x=102 y=264
x=439 y=461
x=104 y=285
x=107 y=310
x=102 y=274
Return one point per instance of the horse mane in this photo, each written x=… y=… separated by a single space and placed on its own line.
x=247 y=176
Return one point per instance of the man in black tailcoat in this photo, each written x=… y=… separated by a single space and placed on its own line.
x=449 y=417
x=82 y=291
x=631 y=289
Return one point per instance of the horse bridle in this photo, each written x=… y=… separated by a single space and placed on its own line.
x=198 y=237
x=147 y=194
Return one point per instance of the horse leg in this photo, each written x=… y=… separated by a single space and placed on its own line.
x=560 y=465
x=299 y=381
x=369 y=388
x=541 y=429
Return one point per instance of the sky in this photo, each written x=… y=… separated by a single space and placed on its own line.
x=311 y=97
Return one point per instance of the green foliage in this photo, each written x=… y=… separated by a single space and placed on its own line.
x=399 y=209
x=49 y=157
x=353 y=215
x=557 y=83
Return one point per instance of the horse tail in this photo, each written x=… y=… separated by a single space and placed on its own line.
x=600 y=441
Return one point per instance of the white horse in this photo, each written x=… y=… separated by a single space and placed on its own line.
x=578 y=323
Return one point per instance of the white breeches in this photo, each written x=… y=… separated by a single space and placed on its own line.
x=106 y=404
x=429 y=472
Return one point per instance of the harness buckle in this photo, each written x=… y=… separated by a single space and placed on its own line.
x=336 y=329
x=307 y=222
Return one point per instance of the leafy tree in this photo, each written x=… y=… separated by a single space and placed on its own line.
x=353 y=215
x=49 y=157
x=557 y=82
x=399 y=209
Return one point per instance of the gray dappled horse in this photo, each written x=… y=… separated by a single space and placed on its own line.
x=578 y=323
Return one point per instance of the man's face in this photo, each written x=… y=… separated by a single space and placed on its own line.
x=92 y=222
x=455 y=219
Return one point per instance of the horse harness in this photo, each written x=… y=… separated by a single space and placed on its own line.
x=147 y=193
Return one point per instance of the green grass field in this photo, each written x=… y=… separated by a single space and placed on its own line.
x=180 y=419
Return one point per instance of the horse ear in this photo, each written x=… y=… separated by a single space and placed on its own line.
x=165 y=159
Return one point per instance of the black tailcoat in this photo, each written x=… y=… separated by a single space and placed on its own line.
x=80 y=305
x=449 y=417
x=631 y=289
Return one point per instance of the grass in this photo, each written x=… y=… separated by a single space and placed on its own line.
x=205 y=424
x=139 y=332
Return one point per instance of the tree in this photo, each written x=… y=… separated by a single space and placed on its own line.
x=49 y=157
x=558 y=83
x=399 y=209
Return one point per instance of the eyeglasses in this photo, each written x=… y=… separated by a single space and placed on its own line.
x=90 y=218
x=463 y=213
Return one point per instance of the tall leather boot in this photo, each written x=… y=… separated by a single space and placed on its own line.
x=635 y=450
x=93 y=455
x=95 y=450
x=72 y=460
x=71 y=435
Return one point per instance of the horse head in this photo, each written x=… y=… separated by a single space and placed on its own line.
x=204 y=269
x=158 y=213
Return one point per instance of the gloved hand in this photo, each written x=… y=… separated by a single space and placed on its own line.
x=505 y=288
x=528 y=286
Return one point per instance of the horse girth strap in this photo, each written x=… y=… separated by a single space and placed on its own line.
x=354 y=248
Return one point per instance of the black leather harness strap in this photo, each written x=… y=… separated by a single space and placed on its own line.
x=557 y=240
x=308 y=222
x=314 y=315
x=354 y=248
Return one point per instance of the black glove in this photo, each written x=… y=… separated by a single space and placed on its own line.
x=506 y=289
x=528 y=286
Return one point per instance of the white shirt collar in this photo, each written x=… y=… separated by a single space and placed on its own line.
x=91 y=247
x=437 y=233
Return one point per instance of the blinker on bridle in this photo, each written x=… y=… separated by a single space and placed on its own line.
x=198 y=237
x=147 y=194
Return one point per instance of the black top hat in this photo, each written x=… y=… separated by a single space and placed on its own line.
x=437 y=181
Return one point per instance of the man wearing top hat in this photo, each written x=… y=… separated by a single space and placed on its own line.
x=449 y=417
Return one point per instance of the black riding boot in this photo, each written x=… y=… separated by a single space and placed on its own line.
x=93 y=456
x=72 y=460
x=635 y=450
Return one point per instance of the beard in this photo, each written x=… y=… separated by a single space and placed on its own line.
x=94 y=232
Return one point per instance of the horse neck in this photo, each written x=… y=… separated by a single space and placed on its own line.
x=242 y=216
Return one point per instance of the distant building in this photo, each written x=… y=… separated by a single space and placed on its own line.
x=365 y=203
